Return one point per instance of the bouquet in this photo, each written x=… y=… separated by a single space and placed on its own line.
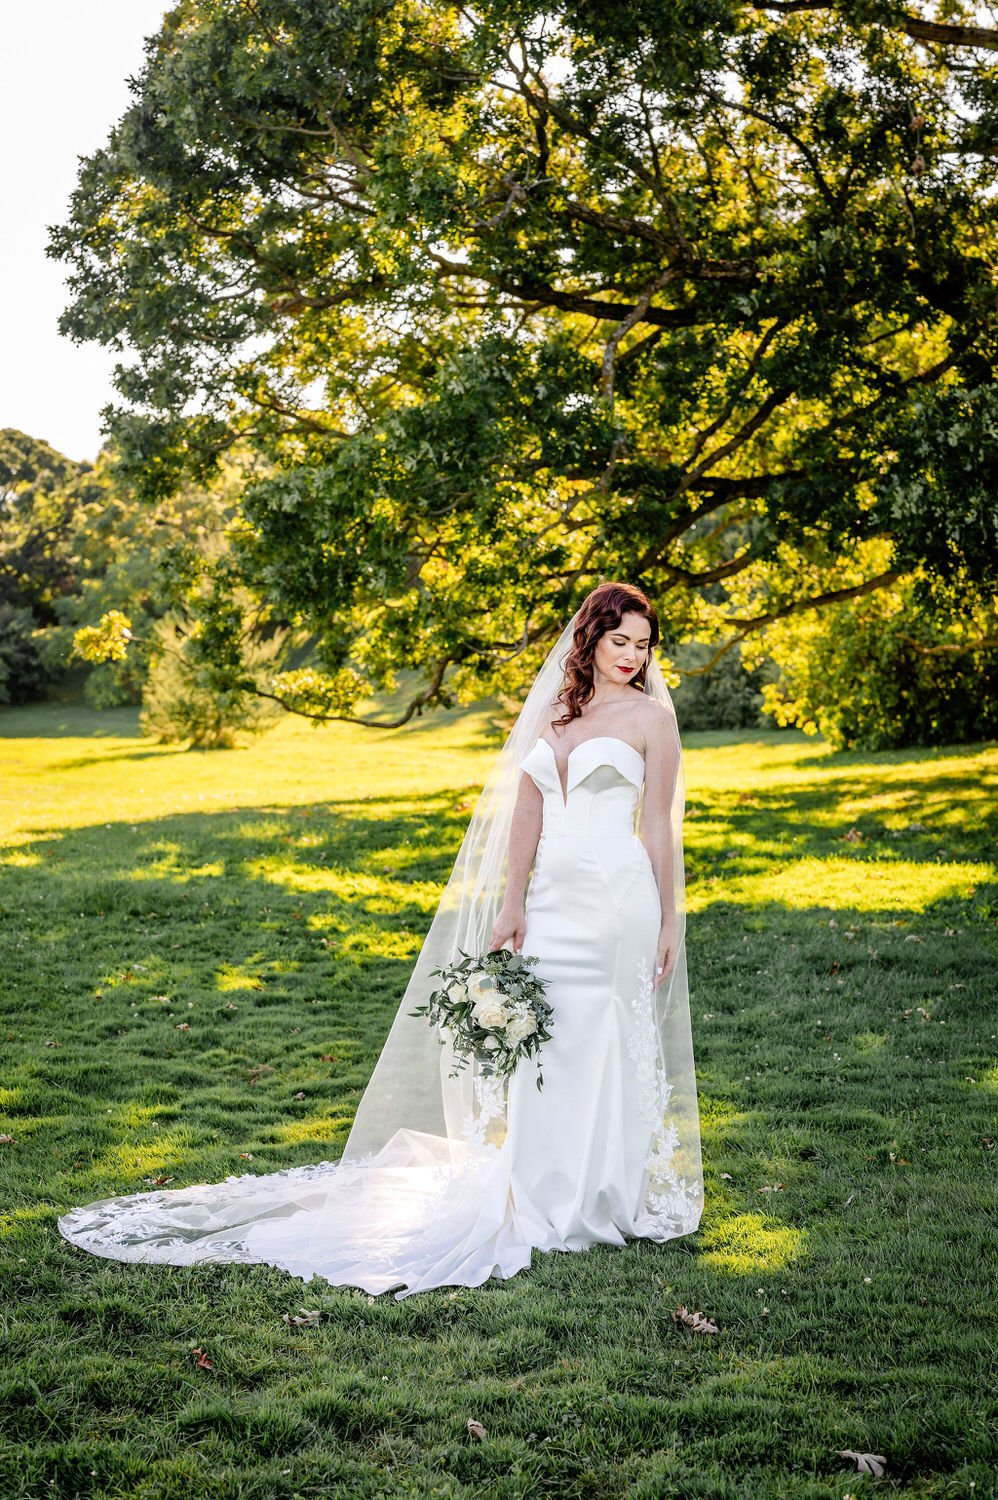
x=494 y=1008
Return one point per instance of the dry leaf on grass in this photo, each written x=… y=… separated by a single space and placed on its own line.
x=305 y=1315
x=694 y=1320
x=6 y=1140
x=475 y=1428
x=866 y=1463
x=773 y=1187
x=202 y=1361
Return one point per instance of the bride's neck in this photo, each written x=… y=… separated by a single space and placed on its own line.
x=609 y=692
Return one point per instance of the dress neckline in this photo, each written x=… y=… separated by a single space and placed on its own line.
x=591 y=739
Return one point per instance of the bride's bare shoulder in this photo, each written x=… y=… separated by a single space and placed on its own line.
x=652 y=717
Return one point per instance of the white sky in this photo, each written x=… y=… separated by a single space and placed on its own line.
x=64 y=85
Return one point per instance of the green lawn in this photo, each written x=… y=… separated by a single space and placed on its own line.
x=843 y=952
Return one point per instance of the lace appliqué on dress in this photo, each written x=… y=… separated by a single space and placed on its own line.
x=672 y=1204
x=488 y=1107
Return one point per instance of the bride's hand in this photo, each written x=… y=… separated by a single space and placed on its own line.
x=665 y=955
x=509 y=929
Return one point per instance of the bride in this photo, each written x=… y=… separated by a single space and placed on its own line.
x=574 y=858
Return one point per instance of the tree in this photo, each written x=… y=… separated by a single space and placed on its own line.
x=42 y=497
x=519 y=297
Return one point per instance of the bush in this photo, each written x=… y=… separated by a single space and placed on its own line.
x=729 y=696
x=23 y=674
x=187 y=700
x=876 y=674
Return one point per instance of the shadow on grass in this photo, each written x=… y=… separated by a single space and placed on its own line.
x=67 y=721
x=325 y=904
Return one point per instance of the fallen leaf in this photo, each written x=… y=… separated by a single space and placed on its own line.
x=866 y=1463
x=202 y=1361
x=245 y=1156
x=182 y=1026
x=299 y=1095
x=329 y=1057
x=475 y=1428
x=774 y=1187
x=305 y=1315
x=694 y=1320
x=6 y=1140
x=726 y=1177
x=256 y=1073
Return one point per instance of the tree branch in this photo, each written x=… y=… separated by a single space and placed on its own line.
x=623 y=327
x=914 y=26
x=983 y=643
x=834 y=596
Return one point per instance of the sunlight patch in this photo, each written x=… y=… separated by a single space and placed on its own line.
x=18 y=859
x=852 y=884
x=747 y=1242
x=327 y=1128
x=378 y=893
x=230 y=977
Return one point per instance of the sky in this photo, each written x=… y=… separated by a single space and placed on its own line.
x=65 y=84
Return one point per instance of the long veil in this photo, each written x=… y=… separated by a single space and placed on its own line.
x=419 y=1131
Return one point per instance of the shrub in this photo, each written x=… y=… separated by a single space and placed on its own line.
x=729 y=696
x=875 y=673
x=23 y=674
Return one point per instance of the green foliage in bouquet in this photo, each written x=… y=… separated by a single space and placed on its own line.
x=494 y=1009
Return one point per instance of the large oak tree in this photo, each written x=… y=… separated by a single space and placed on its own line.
x=515 y=297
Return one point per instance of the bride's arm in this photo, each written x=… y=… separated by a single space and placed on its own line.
x=661 y=768
x=524 y=834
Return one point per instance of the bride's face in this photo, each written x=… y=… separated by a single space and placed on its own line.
x=622 y=652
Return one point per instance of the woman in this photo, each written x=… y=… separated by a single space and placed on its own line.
x=449 y=1180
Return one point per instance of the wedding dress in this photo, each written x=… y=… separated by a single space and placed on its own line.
x=607 y=1150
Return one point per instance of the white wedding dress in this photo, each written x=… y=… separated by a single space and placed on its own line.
x=594 y=1157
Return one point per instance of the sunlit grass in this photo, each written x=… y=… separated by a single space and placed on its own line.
x=751 y=1244
x=190 y=942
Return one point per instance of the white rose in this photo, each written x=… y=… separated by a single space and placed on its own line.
x=490 y=1014
x=481 y=986
x=491 y=1044
x=457 y=992
x=519 y=1029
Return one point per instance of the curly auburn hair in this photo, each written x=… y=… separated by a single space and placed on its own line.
x=601 y=611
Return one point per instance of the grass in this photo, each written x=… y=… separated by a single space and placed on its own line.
x=842 y=949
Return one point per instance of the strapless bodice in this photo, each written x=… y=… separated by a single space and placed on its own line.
x=605 y=776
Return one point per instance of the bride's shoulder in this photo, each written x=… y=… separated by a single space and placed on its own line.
x=652 y=717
